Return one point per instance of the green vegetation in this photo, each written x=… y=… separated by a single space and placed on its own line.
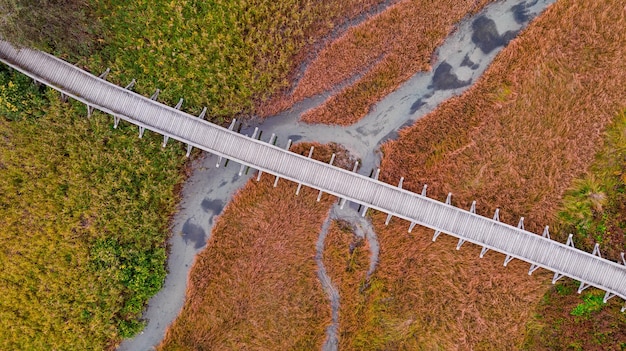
x=83 y=212
x=84 y=208
x=223 y=54
x=593 y=302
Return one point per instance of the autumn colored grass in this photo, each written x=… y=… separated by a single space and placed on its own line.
x=255 y=286
x=514 y=141
x=387 y=50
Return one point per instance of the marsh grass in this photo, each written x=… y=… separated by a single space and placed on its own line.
x=255 y=286
x=517 y=140
x=226 y=55
x=83 y=216
x=593 y=209
x=386 y=50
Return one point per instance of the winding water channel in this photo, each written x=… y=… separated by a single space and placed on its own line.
x=461 y=59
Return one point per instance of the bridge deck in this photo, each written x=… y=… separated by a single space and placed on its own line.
x=537 y=250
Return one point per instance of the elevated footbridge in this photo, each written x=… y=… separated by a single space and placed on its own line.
x=539 y=251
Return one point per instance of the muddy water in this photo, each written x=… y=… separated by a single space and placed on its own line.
x=461 y=59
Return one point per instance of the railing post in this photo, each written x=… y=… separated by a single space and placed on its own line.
x=102 y=76
x=300 y=184
x=448 y=202
x=332 y=159
x=286 y=148
x=178 y=106
x=472 y=210
x=343 y=201
x=365 y=208
x=389 y=216
x=273 y=142
x=219 y=158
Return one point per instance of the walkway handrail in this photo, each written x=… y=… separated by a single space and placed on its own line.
x=564 y=260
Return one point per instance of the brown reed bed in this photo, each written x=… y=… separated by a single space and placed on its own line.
x=255 y=286
x=515 y=141
x=387 y=50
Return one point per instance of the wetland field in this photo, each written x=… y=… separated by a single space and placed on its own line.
x=113 y=242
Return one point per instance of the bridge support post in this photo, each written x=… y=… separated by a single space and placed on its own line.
x=142 y=130
x=557 y=275
x=232 y=125
x=103 y=76
x=509 y=258
x=342 y=202
x=116 y=119
x=286 y=148
x=389 y=216
x=607 y=296
x=131 y=84
x=155 y=95
x=365 y=208
x=424 y=195
x=332 y=159
x=273 y=142
x=189 y=146
x=243 y=167
x=300 y=184
x=178 y=106
x=546 y=234
x=448 y=202
x=472 y=210
x=596 y=252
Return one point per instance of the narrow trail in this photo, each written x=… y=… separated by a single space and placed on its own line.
x=332 y=338
x=461 y=60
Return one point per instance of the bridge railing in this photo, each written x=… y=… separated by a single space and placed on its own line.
x=540 y=251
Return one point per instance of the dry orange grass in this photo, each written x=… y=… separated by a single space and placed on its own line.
x=442 y=299
x=394 y=44
x=515 y=141
x=255 y=286
x=425 y=295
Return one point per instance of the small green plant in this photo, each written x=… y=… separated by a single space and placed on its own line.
x=592 y=303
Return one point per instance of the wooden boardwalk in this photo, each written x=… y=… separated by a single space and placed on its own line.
x=564 y=260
